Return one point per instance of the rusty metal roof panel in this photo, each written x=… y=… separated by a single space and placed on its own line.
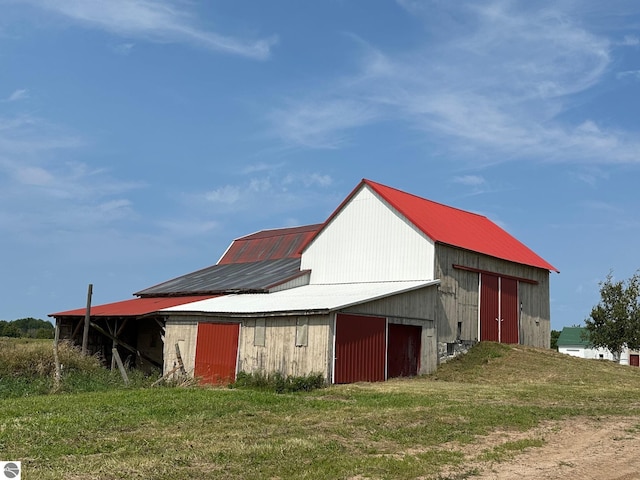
x=269 y=245
x=238 y=277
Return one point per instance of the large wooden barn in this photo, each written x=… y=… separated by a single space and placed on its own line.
x=388 y=286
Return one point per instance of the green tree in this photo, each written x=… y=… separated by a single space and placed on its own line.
x=30 y=327
x=8 y=329
x=554 y=339
x=615 y=321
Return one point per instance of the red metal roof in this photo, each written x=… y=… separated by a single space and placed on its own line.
x=133 y=307
x=455 y=227
x=459 y=228
x=269 y=245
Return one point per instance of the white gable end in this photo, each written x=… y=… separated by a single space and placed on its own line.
x=368 y=241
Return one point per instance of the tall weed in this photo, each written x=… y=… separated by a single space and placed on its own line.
x=27 y=367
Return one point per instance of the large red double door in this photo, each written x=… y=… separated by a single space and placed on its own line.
x=369 y=349
x=499 y=312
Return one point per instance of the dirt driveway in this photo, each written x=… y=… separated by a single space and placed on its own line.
x=580 y=448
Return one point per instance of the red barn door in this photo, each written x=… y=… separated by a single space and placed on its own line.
x=217 y=352
x=403 y=350
x=499 y=312
x=489 y=308
x=360 y=348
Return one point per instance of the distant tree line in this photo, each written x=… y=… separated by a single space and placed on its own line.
x=27 y=328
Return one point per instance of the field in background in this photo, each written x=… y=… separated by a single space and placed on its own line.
x=433 y=427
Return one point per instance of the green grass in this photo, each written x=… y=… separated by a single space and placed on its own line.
x=27 y=368
x=401 y=429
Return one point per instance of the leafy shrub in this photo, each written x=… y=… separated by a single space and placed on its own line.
x=278 y=383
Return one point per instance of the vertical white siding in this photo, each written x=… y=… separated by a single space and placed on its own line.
x=368 y=241
x=590 y=353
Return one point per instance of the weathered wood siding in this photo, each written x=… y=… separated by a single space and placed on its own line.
x=418 y=308
x=280 y=352
x=459 y=296
x=182 y=330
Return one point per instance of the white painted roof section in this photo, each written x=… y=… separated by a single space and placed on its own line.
x=327 y=297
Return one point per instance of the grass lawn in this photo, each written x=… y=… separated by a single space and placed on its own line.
x=401 y=429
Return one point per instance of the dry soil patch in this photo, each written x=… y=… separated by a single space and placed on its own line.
x=584 y=448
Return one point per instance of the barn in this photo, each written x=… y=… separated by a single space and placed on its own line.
x=389 y=285
x=394 y=283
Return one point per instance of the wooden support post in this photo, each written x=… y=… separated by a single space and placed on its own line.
x=58 y=373
x=87 y=318
x=123 y=372
x=125 y=345
x=76 y=330
x=114 y=341
x=165 y=376
x=183 y=371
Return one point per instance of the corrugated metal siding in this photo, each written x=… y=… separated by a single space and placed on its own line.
x=217 y=352
x=269 y=245
x=360 y=349
x=257 y=276
x=368 y=242
x=416 y=308
x=403 y=350
x=459 y=228
x=509 y=327
x=489 y=308
x=298 y=281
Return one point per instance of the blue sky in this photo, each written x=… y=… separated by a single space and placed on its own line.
x=139 y=137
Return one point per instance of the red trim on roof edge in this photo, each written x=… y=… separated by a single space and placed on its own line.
x=133 y=307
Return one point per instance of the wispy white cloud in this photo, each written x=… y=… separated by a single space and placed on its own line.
x=307 y=179
x=472 y=90
x=631 y=41
x=633 y=74
x=261 y=167
x=600 y=206
x=287 y=193
x=470 y=180
x=227 y=194
x=19 y=94
x=321 y=124
x=154 y=20
x=591 y=175
x=189 y=227
x=42 y=190
x=123 y=48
